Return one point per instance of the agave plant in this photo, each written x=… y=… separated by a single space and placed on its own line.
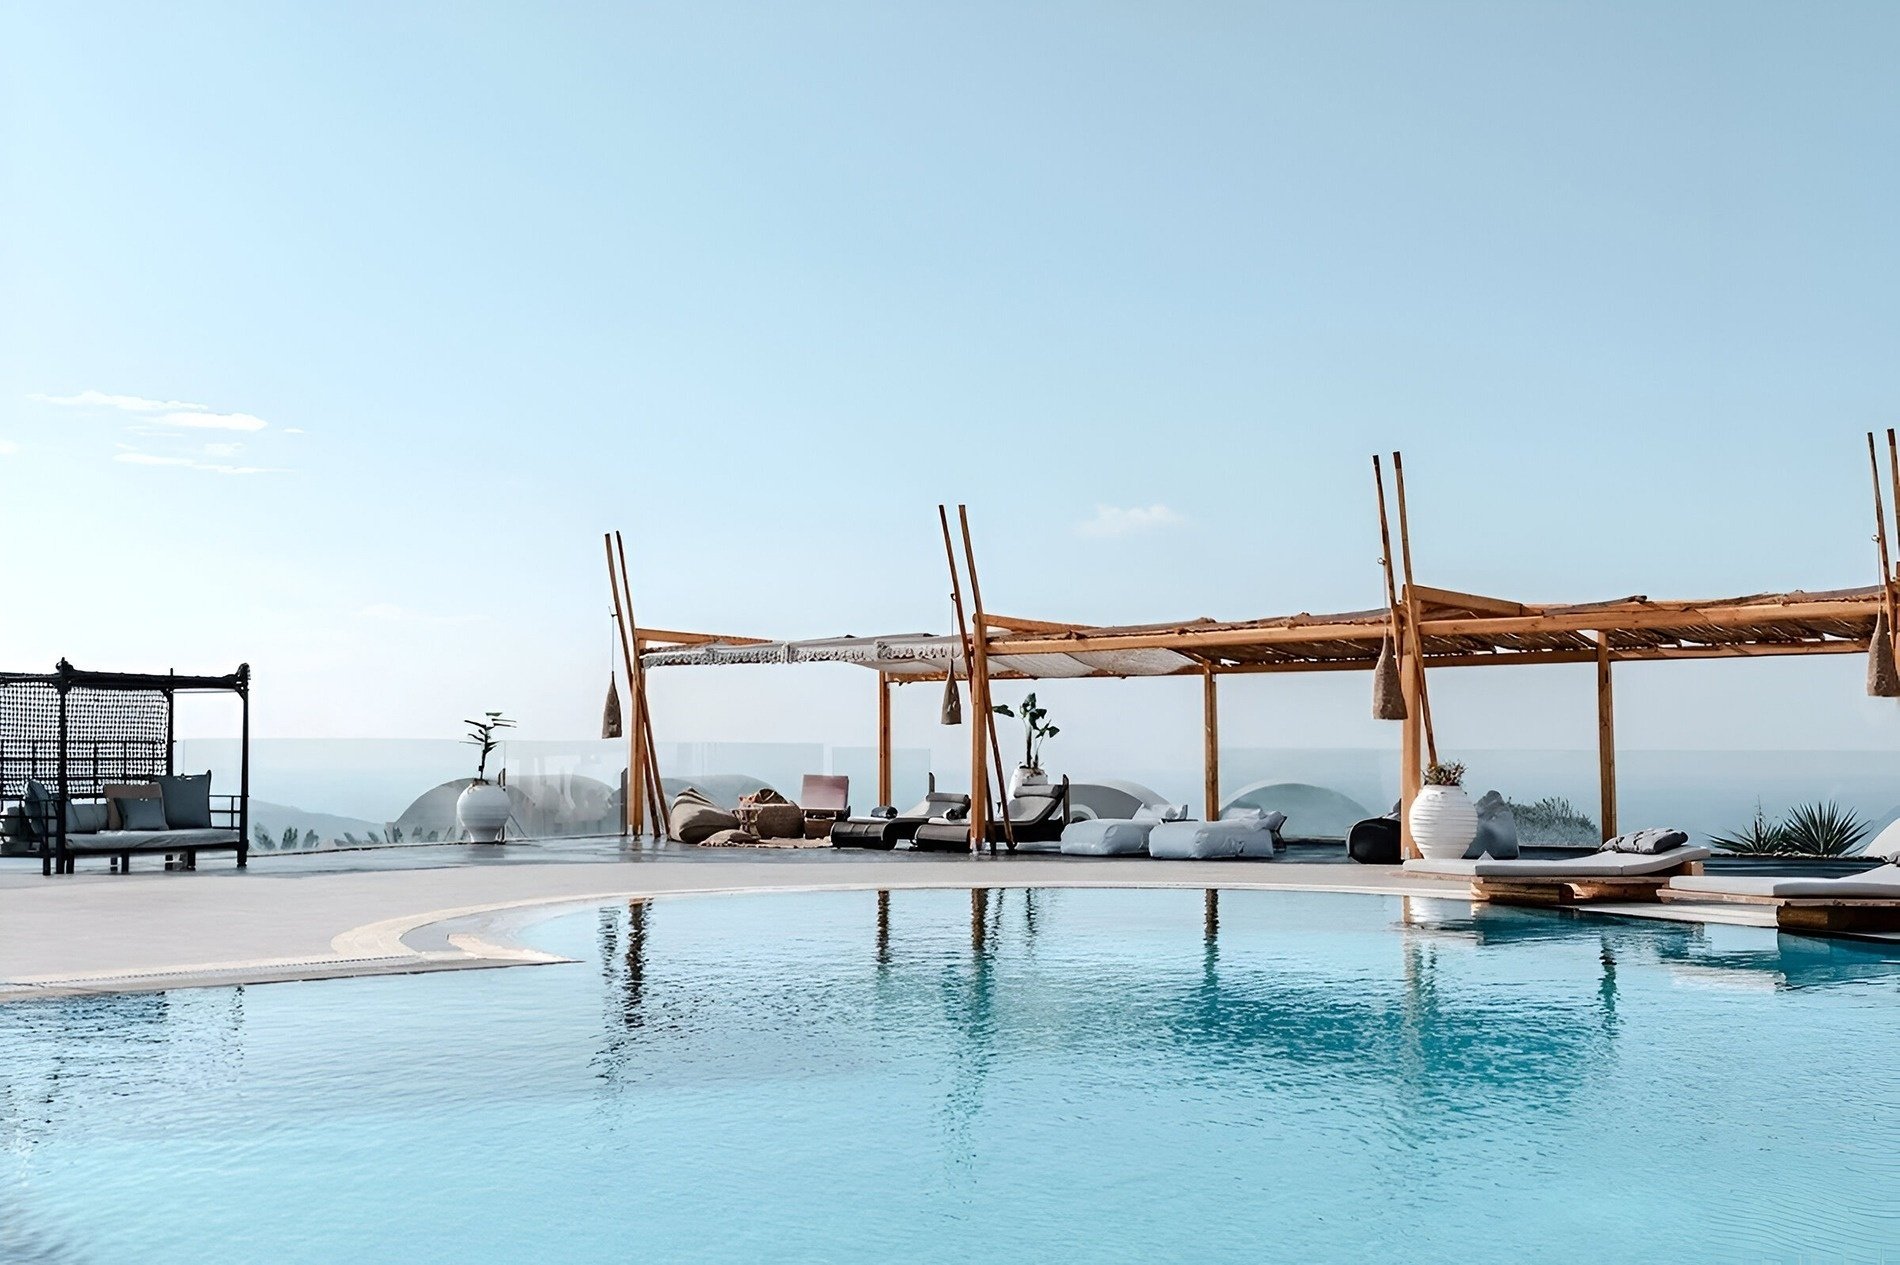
x=1825 y=830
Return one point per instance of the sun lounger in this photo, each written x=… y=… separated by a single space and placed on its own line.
x=1855 y=902
x=888 y=832
x=1234 y=837
x=1036 y=815
x=1593 y=876
x=826 y=799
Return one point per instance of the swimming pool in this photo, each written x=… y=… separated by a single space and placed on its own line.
x=1023 y=1076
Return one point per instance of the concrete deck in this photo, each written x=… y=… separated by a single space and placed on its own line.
x=455 y=908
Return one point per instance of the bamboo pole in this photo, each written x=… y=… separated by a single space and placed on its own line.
x=1385 y=558
x=979 y=766
x=630 y=808
x=1210 y=750
x=983 y=669
x=1412 y=614
x=1880 y=532
x=637 y=689
x=656 y=793
x=883 y=738
x=1606 y=740
x=1893 y=468
x=1410 y=770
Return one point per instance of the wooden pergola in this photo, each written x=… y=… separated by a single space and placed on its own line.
x=1426 y=628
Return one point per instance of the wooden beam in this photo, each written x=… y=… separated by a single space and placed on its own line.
x=1012 y=623
x=1477 y=605
x=883 y=739
x=639 y=740
x=1606 y=742
x=657 y=637
x=1657 y=616
x=1210 y=742
x=979 y=764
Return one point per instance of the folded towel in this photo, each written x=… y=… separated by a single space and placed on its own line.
x=1647 y=842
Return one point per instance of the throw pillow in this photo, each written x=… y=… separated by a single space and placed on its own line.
x=187 y=799
x=1646 y=842
x=40 y=818
x=142 y=814
x=85 y=819
x=117 y=794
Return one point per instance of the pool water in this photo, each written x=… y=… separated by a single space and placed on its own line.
x=1020 y=1076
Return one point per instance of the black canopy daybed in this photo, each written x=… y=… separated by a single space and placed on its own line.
x=75 y=746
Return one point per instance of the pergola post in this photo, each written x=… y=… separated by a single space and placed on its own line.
x=1411 y=734
x=883 y=738
x=1606 y=738
x=1210 y=751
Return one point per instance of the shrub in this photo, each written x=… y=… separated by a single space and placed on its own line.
x=1554 y=819
x=1823 y=829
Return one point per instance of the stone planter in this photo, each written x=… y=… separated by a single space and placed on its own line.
x=1443 y=821
x=482 y=810
x=1026 y=776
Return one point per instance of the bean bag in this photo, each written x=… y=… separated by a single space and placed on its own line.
x=1106 y=837
x=693 y=818
x=1253 y=836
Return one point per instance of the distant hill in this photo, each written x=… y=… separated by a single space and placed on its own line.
x=276 y=818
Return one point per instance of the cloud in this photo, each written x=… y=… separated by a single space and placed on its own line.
x=191 y=463
x=178 y=414
x=1111 y=520
x=293 y=430
x=124 y=403
x=223 y=450
x=207 y=420
x=8 y=447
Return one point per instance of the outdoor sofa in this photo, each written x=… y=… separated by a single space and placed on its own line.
x=173 y=814
x=1632 y=867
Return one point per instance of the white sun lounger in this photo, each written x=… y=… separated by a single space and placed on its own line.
x=1588 y=865
x=1594 y=876
x=1855 y=902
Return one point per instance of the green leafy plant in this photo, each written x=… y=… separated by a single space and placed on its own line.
x=1760 y=837
x=1822 y=829
x=310 y=839
x=289 y=840
x=481 y=733
x=1036 y=729
x=1448 y=773
x=1554 y=819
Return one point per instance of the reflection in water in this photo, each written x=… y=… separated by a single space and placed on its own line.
x=884 y=928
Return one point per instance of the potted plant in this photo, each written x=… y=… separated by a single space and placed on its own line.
x=1036 y=730
x=482 y=808
x=1443 y=819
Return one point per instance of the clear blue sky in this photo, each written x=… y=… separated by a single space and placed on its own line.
x=408 y=302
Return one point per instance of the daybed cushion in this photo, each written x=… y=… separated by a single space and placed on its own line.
x=187 y=799
x=152 y=840
x=1882 y=883
x=1201 y=840
x=1106 y=837
x=1588 y=865
x=142 y=815
x=84 y=819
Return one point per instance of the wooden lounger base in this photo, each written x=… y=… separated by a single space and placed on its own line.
x=1566 y=891
x=1813 y=915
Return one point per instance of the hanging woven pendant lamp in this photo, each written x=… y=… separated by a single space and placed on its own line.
x=952 y=700
x=610 y=714
x=1388 y=699
x=1883 y=679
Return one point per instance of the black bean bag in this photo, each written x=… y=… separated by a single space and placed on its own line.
x=1374 y=841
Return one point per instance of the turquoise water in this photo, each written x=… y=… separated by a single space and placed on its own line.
x=1049 y=1075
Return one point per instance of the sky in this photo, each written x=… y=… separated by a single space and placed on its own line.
x=333 y=336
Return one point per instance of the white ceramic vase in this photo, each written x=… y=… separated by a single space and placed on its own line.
x=482 y=809
x=1444 y=822
x=1026 y=776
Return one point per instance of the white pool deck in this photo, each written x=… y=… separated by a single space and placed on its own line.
x=309 y=917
